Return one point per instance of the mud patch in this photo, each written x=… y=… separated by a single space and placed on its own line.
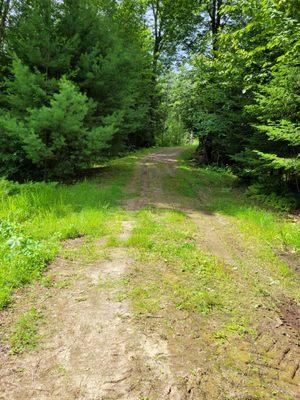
x=290 y=314
x=73 y=243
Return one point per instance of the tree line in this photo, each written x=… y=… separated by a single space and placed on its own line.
x=82 y=80
x=240 y=93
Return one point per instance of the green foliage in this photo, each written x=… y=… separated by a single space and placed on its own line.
x=55 y=140
x=36 y=217
x=59 y=142
x=242 y=99
x=12 y=154
x=84 y=79
x=22 y=258
x=173 y=130
x=212 y=105
x=276 y=141
x=75 y=84
x=286 y=202
x=25 y=90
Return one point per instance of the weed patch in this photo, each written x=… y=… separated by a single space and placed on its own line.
x=25 y=332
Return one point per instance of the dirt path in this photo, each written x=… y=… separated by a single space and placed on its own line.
x=92 y=345
x=276 y=349
x=275 y=352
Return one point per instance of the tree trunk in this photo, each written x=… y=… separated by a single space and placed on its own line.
x=215 y=17
x=204 y=152
x=4 y=9
x=157 y=47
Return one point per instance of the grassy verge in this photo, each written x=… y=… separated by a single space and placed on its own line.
x=36 y=217
x=216 y=191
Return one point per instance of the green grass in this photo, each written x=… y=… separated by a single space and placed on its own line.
x=25 y=332
x=172 y=270
x=36 y=217
x=175 y=285
x=176 y=271
x=217 y=191
x=264 y=231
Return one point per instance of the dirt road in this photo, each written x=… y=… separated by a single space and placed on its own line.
x=94 y=347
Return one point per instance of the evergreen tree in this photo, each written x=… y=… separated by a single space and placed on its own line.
x=99 y=46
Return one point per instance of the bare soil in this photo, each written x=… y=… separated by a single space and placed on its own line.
x=93 y=347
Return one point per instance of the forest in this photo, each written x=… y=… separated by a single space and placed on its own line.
x=149 y=199
x=83 y=80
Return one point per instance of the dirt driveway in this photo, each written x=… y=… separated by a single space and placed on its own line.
x=93 y=346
